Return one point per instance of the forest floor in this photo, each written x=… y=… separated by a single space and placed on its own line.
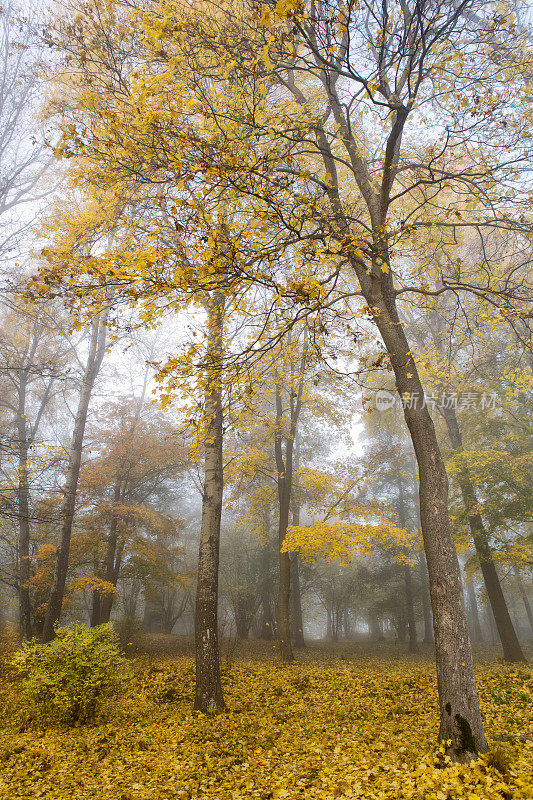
x=352 y=721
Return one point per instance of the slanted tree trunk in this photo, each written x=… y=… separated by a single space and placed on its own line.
x=208 y=690
x=512 y=650
x=477 y=633
x=94 y=362
x=460 y=717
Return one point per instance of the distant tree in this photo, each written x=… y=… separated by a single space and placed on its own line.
x=24 y=159
x=34 y=358
x=95 y=357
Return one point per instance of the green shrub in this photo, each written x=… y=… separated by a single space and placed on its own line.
x=67 y=679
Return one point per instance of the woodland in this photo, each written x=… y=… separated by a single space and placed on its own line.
x=266 y=380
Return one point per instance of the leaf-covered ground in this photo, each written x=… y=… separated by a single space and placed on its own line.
x=328 y=727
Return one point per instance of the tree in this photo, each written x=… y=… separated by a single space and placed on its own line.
x=23 y=158
x=95 y=357
x=289 y=382
x=127 y=524
x=441 y=382
x=208 y=691
x=34 y=358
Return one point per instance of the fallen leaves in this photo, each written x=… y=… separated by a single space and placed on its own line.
x=317 y=730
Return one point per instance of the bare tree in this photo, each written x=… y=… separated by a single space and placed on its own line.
x=33 y=357
x=23 y=156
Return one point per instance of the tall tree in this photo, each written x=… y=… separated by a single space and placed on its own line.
x=97 y=347
x=23 y=156
x=289 y=385
x=208 y=690
x=34 y=356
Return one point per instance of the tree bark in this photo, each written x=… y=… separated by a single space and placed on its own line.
x=208 y=690
x=512 y=652
x=94 y=362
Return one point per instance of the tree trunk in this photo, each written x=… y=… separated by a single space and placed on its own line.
x=208 y=691
x=266 y=616
x=512 y=652
x=525 y=599
x=284 y=482
x=474 y=612
x=329 y=621
x=401 y=628
x=282 y=606
x=284 y=467
x=94 y=361
x=346 y=627
x=296 y=606
x=241 y=621
x=426 y=605
x=297 y=625
x=492 y=625
x=96 y=606
x=411 y=621
x=460 y=717
x=409 y=602
x=113 y=560
x=23 y=510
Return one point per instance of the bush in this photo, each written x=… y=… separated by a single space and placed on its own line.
x=67 y=679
